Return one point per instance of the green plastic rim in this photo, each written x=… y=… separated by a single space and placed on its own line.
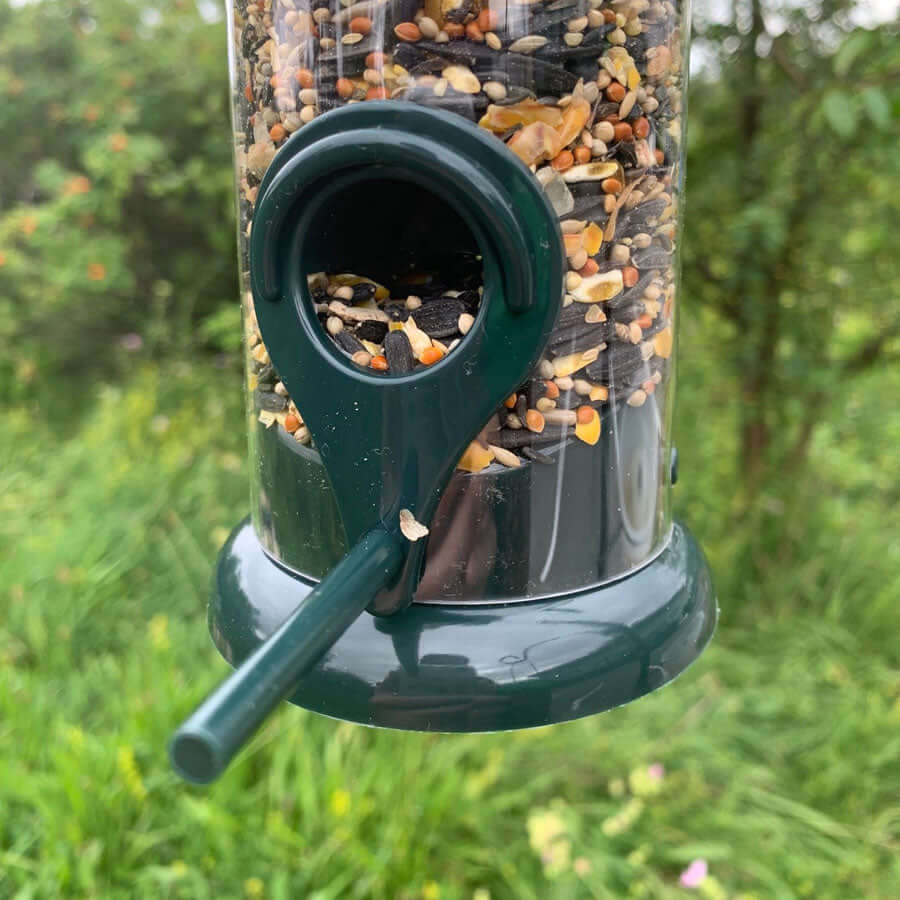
x=481 y=668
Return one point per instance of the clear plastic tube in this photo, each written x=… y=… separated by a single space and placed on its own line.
x=567 y=485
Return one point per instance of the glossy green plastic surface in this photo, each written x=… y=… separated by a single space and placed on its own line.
x=481 y=668
x=388 y=443
x=391 y=443
x=205 y=743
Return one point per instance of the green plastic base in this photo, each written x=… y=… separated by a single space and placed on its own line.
x=481 y=668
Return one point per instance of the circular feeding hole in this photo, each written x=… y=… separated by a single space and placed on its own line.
x=395 y=275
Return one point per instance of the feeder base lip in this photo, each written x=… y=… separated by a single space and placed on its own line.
x=481 y=668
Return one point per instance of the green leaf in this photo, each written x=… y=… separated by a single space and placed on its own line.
x=840 y=113
x=855 y=44
x=877 y=106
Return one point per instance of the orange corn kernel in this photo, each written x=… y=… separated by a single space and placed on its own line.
x=474 y=33
x=475 y=458
x=584 y=414
x=534 y=421
x=488 y=19
x=430 y=355
x=408 y=31
x=588 y=426
x=379 y=363
x=563 y=161
x=616 y=92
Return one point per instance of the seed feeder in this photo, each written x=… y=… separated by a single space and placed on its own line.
x=459 y=299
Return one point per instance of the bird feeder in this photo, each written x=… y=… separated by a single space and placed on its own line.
x=458 y=233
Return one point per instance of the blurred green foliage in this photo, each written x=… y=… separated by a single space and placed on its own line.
x=793 y=209
x=116 y=190
x=779 y=746
x=122 y=466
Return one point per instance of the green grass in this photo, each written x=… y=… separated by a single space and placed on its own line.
x=780 y=746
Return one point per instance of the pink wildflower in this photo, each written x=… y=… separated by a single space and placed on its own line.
x=695 y=874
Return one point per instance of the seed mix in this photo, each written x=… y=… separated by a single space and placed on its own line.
x=586 y=93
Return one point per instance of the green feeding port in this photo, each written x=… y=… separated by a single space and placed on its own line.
x=459 y=303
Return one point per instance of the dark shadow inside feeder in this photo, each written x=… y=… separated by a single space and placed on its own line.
x=409 y=241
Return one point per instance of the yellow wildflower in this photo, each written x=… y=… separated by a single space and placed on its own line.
x=638 y=857
x=340 y=802
x=159 y=632
x=712 y=889
x=624 y=819
x=480 y=781
x=431 y=891
x=254 y=887
x=547 y=836
x=179 y=868
x=646 y=781
x=130 y=773
x=75 y=737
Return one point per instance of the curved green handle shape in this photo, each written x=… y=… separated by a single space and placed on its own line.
x=391 y=443
x=388 y=443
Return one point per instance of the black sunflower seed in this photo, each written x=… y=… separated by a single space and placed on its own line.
x=439 y=318
x=398 y=352
x=362 y=292
x=569 y=315
x=512 y=439
x=617 y=362
x=579 y=337
x=269 y=401
x=347 y=342
x=371 y=331
x=651 y=258
x=538 y=457
x=521 y=407
x=461 y=11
